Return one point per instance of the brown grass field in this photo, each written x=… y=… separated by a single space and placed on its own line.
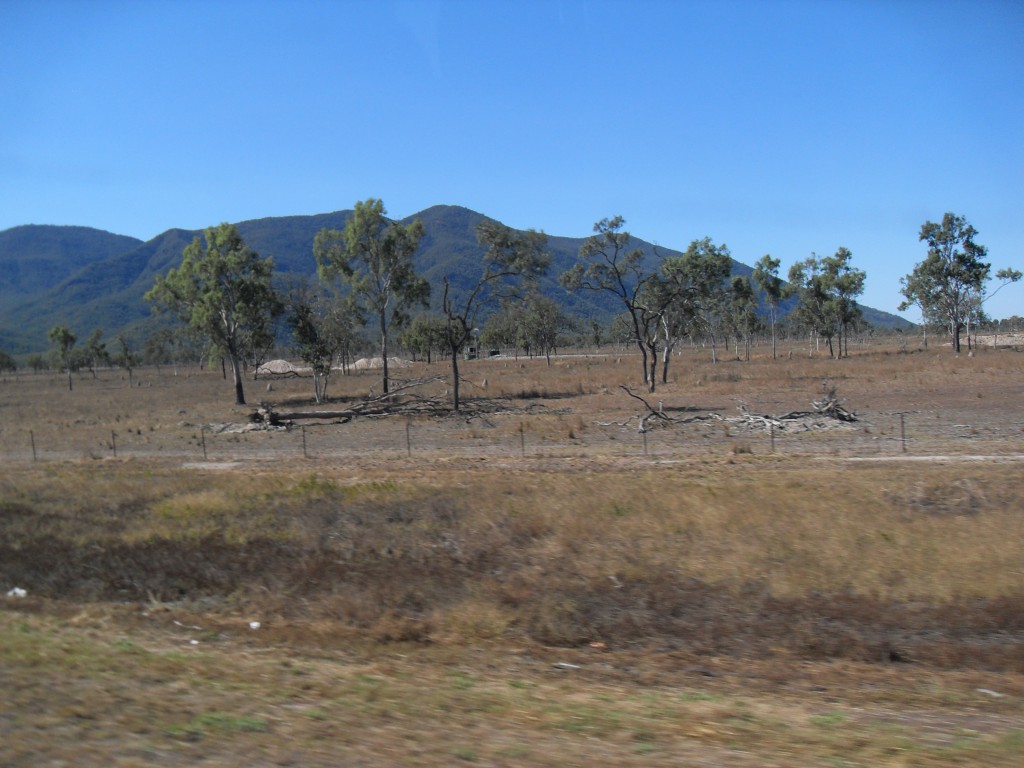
x=531 y=582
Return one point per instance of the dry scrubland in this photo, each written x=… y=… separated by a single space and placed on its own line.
x=527 y=583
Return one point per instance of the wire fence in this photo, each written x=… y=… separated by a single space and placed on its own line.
x=514 y=437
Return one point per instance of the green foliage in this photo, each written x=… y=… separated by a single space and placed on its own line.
x=37 y=363
x=7 y=362
x=511 y=258
x=223 y=292
x=826 y=288
x=607 y=264
x=95 y=353
x=425 y=335
x=543 y=322
x=63 y=342
x=948 y=286
x=126 y=357
x=766 y=276
x=694 y=299
x=373 y=256
x=743 y=319
x=323 y=330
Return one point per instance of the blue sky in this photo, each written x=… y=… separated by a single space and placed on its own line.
x=775 y=127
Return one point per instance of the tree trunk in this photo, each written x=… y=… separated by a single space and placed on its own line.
x=643 y=358
x=236 y=371
x=652 y=377
x=666 y=355
x=455 y=379
x=384 y=349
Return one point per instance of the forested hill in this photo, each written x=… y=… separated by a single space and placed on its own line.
x=86 y=278
x=34 y=258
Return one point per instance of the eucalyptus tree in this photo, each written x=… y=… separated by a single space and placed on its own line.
x=814 y=311
x=373 y=256
x=743 y=313
x=223 y=292
x=766 y=275
x=607 y=264
x=542 y=323
x=847 y=284
x=95 y=352
x=706 y=268
x=425 y=335
x=950 y=281
x=126 y=357
x=506 y=328
x=322 y=331
x=63 y=342
x=827 y=288
x=512 y=259
x=671 y=299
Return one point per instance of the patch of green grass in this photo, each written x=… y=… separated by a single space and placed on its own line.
x=698 y=696
x=462 y=681
x=828 y=719
x=218 y=723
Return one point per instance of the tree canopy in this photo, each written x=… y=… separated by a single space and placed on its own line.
x=223 y=292
x=607 y=264
x=950 y=282
x=827 y=288
x=373 y=256
x=511 y=257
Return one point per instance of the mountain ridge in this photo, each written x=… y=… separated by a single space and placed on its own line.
x=87 y=278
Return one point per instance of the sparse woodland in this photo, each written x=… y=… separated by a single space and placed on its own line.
x=686 y=538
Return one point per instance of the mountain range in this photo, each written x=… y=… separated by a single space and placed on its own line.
x=87 y=278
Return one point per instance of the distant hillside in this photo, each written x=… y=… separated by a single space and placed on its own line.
x=86 y=278
x=35 y=258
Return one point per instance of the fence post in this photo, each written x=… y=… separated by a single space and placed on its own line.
x=771 y=434
x=408 y=436
x=202 y=433
x=305 y=454
x=903 y=434
x=32 y=437
x=522 y=440
x=113 y=442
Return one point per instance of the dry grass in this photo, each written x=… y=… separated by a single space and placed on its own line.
x=708 y=604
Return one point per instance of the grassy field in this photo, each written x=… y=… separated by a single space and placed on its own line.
x=531 y=582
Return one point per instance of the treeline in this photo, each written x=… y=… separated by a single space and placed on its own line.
x=367 y=295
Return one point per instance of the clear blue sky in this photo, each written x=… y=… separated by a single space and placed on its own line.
x=775 y=127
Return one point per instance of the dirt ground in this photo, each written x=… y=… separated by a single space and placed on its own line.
x=923 y=403
x=132 y=684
